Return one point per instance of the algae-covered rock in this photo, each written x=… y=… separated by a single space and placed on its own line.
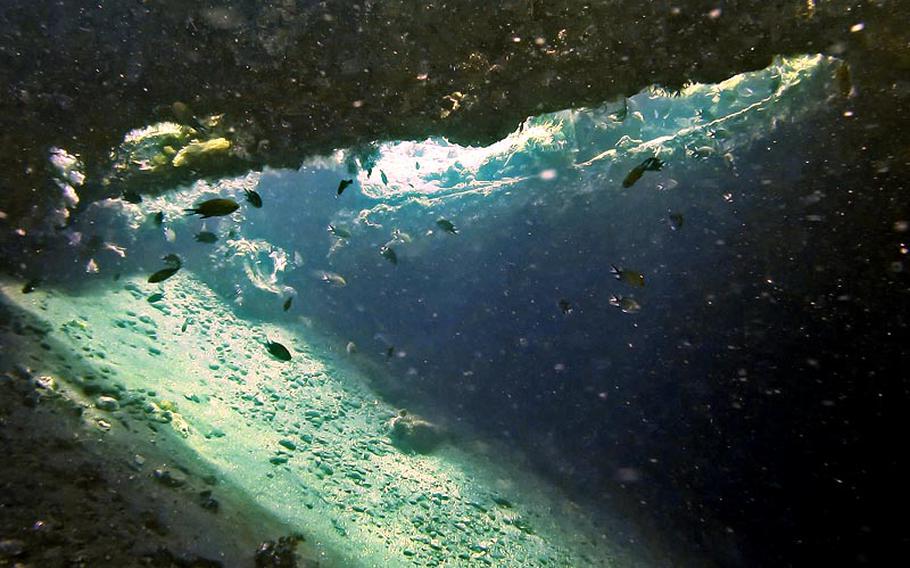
x=278 y=554
x=410 y=433
x=197 y=150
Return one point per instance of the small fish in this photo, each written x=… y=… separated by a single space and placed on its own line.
x=350 y=348
x=339 y=232
x=31 y=285
x=389 y=352
x=334 y=279
x=401 y=236
x=675 y=220
x=385 y=179
x=116 y=277
x=156 y=297
x=131 y=196
x=620 y=115
x=206 y=237
x=157 y=218
x=417 y=165
x=253 y=198
x=343 y=184
x=565 y=306
x=651 y=164
x=287 y=303
x=447 y=226
x=626 y=304
x=844 y=82
x=214 y=208
x=630 y=277
x=278 y=350
x=182 y=112
x=388 y=253
x=165 y=273
x=186 y=323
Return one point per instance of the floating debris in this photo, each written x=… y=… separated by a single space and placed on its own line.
x=350 y=348
x=214 y=208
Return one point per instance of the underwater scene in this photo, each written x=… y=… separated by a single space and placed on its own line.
x=384 y=283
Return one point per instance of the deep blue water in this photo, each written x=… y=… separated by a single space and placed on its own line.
x=726 y=406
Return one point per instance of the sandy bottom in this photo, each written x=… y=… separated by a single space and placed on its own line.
x=164 y=434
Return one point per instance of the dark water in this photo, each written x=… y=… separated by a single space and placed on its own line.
x=750 y=414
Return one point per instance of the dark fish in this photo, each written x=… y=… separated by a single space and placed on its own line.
x=175 y=264
x=675 y=220
x=157 y=218
x=254 y=198
x=214 y=208
x=333 y=279
x=182 y=112
x=385 y=179
x=206 y=237
x=31 y=285
x=626 y=304
x=343 y=184
x=417 y=165
x=630 y=277
x=157 y=296
x=287 y=303
x=278 y=350
x=565 y=306
x=447 y=226
x=844 y=82
x=388 y=253
x=339 y=232
x=186 y=322
x=389 y=352
x=163 y=274
x=649 y=165
x=620 y=115
x=116 y=277
x=131 y=196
